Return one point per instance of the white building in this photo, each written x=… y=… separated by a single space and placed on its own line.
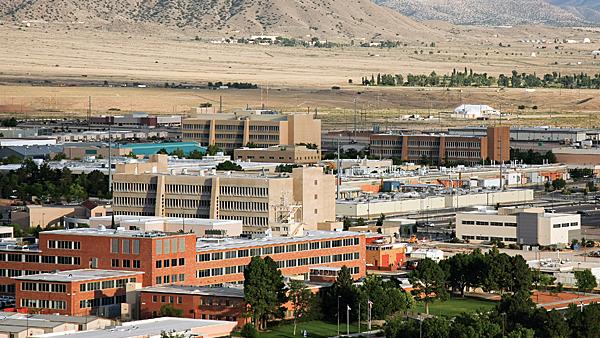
x=529 y=226
x=433 y=254
x=473 y=111
x=200 y=226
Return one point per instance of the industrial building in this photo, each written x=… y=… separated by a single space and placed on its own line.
x=527 y=226
x=177 y=258
x=407 y=203
x=151 y=189
x=232 y=131
x=443 y=148
x=137 y=120
x=76 y=292
x=279 y=154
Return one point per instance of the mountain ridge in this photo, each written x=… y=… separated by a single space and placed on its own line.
x=322 y=18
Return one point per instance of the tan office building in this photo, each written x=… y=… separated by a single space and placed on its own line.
x=231 y=131
x=149 y=189
x=278 y=154
x=530 y=226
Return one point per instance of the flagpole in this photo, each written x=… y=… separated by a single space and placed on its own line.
x=359 y=317
x=370 y=306
x=348 y=320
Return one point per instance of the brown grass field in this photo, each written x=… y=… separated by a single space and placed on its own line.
x=51 y=72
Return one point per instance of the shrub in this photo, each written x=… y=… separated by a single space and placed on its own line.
x=249 y=331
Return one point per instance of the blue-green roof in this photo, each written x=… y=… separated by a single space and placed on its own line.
x=147 y=149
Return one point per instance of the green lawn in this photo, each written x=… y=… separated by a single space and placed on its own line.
x=455 y=306
x=316 y=329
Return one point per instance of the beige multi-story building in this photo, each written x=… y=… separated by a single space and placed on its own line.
x=530 y=226
x=150 y=189
x=279 y=154
x=231 y=131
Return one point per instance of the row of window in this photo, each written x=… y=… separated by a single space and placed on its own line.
x=133 y=187
x=565 y=225
x=244 y=206
x=126 y=246
x=269 y=250
x=43 y=287
x=289 y=263
x=227 y=190
x=68 y=245
x=264 y=128
x=14 y=257
x=247 y=220
x=166 y=279
x=133 y=201
x=489 y=238
x=189 y=189
x=488 y=223
x=186 y=203
x=107 y=284
x=273 y=138
x=196 y=126
x=17 y=273
x=169 y=263
x=102 y=301
x=170 y=245
x=44 y=304
x=126 y=263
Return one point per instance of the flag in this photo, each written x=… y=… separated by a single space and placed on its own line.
x=348 y=307
x=370 y=304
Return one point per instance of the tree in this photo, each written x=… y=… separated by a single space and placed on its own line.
x=399 y=328
x=436 y=327
x=458 y=269
x=178 y=152
x=380 y=220
x=212 y=150
x=195 y=155
x=300 y=297
x=469 y=325
x=550 y=324
x=498 y=274
x=586 y=281
x=162 y=151
x=171 y=334
x=431 y=280
x=167 y=310
x=386 y=297
x=518 y=308
x=342 y=290
x=249 y=331
x=522 y=275
x=559 y=184
x=229 y=166
x=263 y=290
x=584 y=322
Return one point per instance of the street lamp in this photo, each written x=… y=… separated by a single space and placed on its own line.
x=338 y=315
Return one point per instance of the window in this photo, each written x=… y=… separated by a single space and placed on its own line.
x=243 y=253
x=468 y=222
x=203 y=257
x=315 y=245
x=174 y=262
x=154 y=298
x=126 y=248
x=179 y=299
x=216 y=256
x=136 y=247
x=114 y=245
x=126 y=263
x=181 y=261
x=291 y=248
x=230 y=254
x=114 y=263
x=158 y=247
x=279 y=249
x=136 y=264
x=166 y=263
x=158 y=264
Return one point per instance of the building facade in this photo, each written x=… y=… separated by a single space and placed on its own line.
x=528 y=226
x=232 y=131
x=177 y=258
x=149 y=189
x=76 y=292
x=278 y=154
x=443 y=149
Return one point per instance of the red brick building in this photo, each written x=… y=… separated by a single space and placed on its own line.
x=178 y=258
x=76 y=292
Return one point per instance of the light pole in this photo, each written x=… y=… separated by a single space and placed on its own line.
x=359 y=317
x=338 y=315
x=370 y=305
x=420 y=327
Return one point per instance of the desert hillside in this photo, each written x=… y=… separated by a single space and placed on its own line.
x=322 y=18
x=493 y=12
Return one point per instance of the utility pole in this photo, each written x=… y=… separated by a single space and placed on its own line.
x=220 y=103
x=347 y=319
x=339 y=170
x=110 y=122
x=89 y=113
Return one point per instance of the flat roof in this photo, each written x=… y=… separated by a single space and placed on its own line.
x=149 y=328
x=110 y=233
x=79 y=275
x=238 y=243
x=28 y=322
x=232 y=292
x=51 y=318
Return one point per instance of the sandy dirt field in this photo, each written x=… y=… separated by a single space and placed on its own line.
x=51 y=72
